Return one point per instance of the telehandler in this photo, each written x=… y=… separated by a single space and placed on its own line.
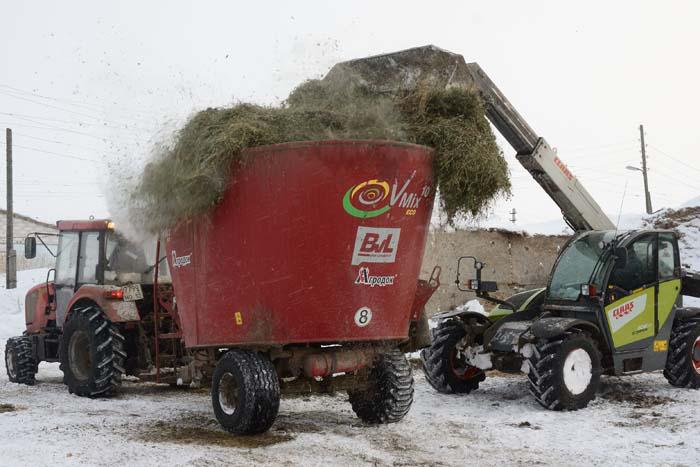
x=613 y=304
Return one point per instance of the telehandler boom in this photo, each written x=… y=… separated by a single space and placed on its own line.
x=406 y=69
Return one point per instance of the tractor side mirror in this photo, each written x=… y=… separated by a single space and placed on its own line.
x=30 y=247
x=621 y=256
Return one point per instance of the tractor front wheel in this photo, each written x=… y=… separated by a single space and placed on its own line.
x=245 y=392
x=19 y=361
x=388 y=394
x=92 y=354
x=444 y=367
x=564 y=373
x=683 y=359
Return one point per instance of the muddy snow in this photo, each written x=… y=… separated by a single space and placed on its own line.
x=638 y=420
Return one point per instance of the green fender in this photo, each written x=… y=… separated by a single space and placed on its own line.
x=522 y=301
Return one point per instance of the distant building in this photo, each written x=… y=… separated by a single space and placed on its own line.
x=22 y=226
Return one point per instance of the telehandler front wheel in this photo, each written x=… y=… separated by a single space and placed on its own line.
x=564 y=373
x=19 y=362
x=444 y=368
x=92 y=354
x=245 y=392
x=388 y=395
x=683 y=359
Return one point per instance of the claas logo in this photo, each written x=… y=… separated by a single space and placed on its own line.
x=623 y=310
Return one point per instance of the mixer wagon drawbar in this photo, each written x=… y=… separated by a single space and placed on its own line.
x=303 y=279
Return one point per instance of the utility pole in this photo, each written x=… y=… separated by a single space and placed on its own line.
x=512 y=215
x=10 y=254
x=644 y=170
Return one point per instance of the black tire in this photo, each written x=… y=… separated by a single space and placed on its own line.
x=445 y=371
x=682 y=370
x=19 y=360
x=388 y=394
x=552 y=364
x=245 y=392
x=92 y=354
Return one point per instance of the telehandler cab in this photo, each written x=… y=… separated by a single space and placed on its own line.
x=613 y=306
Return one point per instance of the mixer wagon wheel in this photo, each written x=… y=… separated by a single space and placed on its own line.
x=389 y=392
x=19 y=362
x=91 y=353
x=245 y=392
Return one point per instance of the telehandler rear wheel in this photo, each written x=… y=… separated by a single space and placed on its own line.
x=19 y=362
x=683 y=359
x=564 y=373
x=388 y=395
x=92 y=354
x=444 y=369
x=245 y=392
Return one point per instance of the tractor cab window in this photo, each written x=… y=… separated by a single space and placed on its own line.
x=668 y=257
x=67 y=258
x=126 y=260
x=89 y=258
x=577 y=264
x=641 y=268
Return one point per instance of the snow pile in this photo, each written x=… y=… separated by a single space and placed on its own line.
x=12 y=302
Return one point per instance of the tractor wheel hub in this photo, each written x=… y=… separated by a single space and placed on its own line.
x=10 y=363
x=228 y=393
x=79 y=355
x=694 y=352
x=578 y=371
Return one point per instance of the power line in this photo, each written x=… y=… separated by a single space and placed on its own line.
x=79 y=104
x=62 y=109
x=673 y=158
x=57 y=154
x=59 y=142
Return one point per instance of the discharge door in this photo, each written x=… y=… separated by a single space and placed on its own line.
x=66 y=270
x=651 y=278
x=631 y=312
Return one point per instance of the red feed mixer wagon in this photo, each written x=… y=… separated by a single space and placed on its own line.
x=304 y=278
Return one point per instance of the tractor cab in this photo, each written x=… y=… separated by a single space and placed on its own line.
x=92 y=253
x=628 y=284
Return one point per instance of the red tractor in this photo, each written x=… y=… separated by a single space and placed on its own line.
x=302 y=279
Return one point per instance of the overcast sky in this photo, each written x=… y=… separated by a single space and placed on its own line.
x=83 y=83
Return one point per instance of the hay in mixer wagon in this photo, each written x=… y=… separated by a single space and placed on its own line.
x=191 y=177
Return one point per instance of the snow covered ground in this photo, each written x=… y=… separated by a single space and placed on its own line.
x=638 y=420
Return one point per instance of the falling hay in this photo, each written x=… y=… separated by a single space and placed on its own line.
x=191 y=177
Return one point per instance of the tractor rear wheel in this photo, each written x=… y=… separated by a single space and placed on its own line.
x=245 y=392
x=564 y=372
x=388 y=395
x=92 y=354
x=19 y=361
x=444 y=368
x=683 y=358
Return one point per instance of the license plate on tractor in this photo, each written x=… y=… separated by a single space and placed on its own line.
x=132 y=292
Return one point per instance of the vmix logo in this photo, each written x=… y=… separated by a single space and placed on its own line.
x=375 y=197
x=375 y=245
x=365 y=278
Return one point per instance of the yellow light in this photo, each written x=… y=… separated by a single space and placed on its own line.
x=110 y=225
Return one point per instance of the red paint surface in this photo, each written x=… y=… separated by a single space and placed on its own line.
x=37 y=299
x=277 y=251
